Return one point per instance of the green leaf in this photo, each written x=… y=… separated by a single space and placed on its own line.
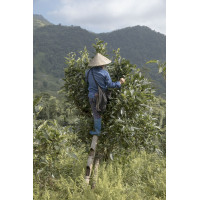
x=160 y=69
x=39 y=171
x=111 y=156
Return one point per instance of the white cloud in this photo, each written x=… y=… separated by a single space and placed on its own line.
x=108 y=15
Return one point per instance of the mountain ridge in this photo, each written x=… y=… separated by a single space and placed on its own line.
x=40 y=17
x=40 y=21
x=53 y=42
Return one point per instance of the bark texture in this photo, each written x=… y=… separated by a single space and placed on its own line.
x=91 y=158
x=96 y=166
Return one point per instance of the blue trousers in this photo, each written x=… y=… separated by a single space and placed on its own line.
x=92 y=101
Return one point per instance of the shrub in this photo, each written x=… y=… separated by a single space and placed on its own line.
x=128 y=122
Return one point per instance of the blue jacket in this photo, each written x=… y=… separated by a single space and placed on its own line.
x=103 y=79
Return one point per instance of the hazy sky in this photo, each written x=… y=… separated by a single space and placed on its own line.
x=104 y=15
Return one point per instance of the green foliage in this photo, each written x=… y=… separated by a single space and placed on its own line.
x=100 y=47
x=135 y=120
x=128 y=122
x=47 y=143
x=51 y=145
x=159 y=112
x=161 y=66
x=59 y=166
x=49 y=107
x=138 y=176
x=75 y=85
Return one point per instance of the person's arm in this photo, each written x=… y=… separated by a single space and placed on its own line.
x=111 y=84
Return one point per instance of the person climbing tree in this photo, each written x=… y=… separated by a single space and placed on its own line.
x=99 y=79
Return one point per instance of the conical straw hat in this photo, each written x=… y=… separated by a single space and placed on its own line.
x=99 y=60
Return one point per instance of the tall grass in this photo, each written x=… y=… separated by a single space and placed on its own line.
x=141 y=176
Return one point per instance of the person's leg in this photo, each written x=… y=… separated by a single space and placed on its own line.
x=96 y=116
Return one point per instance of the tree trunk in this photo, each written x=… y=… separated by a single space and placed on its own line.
x=91 y=158
x=96 y=166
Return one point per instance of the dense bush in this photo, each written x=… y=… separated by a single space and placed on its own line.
x=128 y=122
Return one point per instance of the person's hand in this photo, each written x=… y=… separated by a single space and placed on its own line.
x=122 y=80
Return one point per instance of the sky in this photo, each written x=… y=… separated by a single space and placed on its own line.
x=104 y=15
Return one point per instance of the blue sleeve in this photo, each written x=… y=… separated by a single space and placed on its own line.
x=111 y=84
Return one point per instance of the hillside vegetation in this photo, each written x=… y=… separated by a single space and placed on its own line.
x=131 y=149
x=52 y=43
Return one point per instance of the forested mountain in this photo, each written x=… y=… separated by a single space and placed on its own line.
x=52 y=43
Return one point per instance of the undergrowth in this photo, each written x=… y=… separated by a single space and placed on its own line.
x=140 y=177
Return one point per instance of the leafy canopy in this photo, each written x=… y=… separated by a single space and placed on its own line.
x=128 y=121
